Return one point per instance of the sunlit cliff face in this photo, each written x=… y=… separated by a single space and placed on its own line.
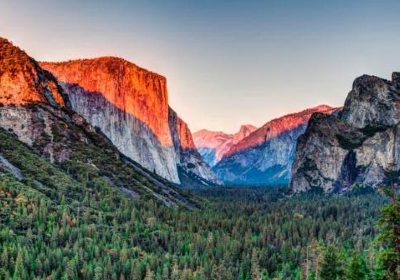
x=185 y=136
x=130 y=106
x=136 y=91
x=22 y=81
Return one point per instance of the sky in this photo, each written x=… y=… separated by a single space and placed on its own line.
x=227 y=62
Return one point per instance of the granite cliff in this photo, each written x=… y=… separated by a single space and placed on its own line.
x=354 y=147
x=130 y=106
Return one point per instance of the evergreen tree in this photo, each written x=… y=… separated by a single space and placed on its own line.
x=264 y=275
x=331 y=266
x=98 y=273
x=241 y=274
x=19 y=271
x=136 y=273
x=149 y=273
x=4 y=258
x=356 y=268
x=388 y=263
x=255 y=267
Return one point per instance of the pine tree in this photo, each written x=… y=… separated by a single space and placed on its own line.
x=149 y=273
x=330 y=267
x=388 y=262
x=312 y=260
x=356 y=268
x=264 y=275
x=255 y=267
x=136 y=273
x=4 y=258
x=19 y=271
x=165 y=272
x=98 y=273
x=241 y=274
x=70 y=270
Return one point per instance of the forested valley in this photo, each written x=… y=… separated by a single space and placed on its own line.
x=94 y=231
x=66 y=221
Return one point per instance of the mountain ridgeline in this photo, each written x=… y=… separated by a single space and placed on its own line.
x=263 y=156
x=354 y=147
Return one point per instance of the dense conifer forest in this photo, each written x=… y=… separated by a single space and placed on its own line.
x=66 y=223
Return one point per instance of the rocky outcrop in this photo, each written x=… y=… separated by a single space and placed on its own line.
x=189 y=159
x=354 y=147
x=22 y=81
x=213 y=145
x=266 y=155
x=130 y=105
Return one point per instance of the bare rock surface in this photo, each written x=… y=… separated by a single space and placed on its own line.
x=354 y=147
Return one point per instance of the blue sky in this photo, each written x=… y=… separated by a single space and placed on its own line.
x=227 y=62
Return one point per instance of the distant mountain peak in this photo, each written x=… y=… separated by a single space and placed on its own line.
x=213 y=145
x=244 y=131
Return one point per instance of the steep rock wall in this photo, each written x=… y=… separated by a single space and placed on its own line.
x=355 y=147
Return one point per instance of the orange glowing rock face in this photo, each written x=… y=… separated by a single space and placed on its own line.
x=22 y=81
x=185 y=136
x=134 y=90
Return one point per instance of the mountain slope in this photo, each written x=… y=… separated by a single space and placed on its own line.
x=35 y=112
x=355 y=147
x=266 y=155
x=193 y=171
x=213 y=145
x=130 y=105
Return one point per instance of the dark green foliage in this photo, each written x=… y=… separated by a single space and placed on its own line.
x=388 y=267
x=356 y=268
x=68 y=222
x=331 y=267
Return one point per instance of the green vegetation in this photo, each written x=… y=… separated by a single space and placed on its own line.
x=353 y=139
x=68 y=222
x=388 y=266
